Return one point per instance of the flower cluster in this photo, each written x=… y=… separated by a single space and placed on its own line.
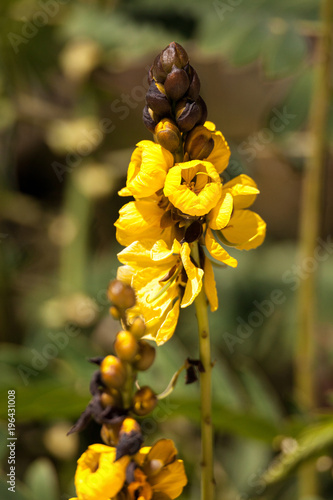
x=122 y=468
x=184 y=216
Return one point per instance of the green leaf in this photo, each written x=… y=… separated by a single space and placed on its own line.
x=41 y=478
x=311 y=442
x=284 y=53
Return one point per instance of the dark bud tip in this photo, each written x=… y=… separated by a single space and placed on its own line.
x=157 y=99
x=194 y=88
x=199 y=143
x=173 y=55
x=187 y=114
x=149 y=119
x=176 y=84
x=193 y=232
x=203 y=110
x=168 y=135
x=130 y=438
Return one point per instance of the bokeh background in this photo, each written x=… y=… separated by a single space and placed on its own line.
x=72 y=87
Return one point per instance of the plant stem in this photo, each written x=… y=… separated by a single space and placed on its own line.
x=309 y=232
x=207 y=463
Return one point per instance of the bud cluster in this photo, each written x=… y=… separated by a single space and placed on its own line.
x=174 y=105
x=117 y=400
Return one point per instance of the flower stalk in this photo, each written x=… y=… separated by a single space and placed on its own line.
x=207 y=458
x=309 y=232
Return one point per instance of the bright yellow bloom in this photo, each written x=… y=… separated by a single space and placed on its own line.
x=160 y=470
x=147 y=170
x=97 y=475
x=164 y=280
x=141 y=220
x=194 y=187
x=156 y=471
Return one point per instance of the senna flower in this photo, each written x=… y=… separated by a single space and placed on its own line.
x=147 y=170
x=164 y=279
x=151 y=474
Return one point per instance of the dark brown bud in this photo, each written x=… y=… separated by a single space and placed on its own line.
x=176 y=84
x=173 y=55
x=203 y=110
x=157 y=71
x=144 y=401
x=115 y=313
x=113 y=372
x=187 y=114
x=168 y=135
x=121 y=294
x=149 y=119
x=157 y=99
x=110 y=433
x=145 y=357
x=126 y=346
x=194 y=88
x=193 y=232
x=199 y=143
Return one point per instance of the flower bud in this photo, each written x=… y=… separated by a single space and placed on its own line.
x=150 y=120
x=194 y=88
x=157 y=99
x=130 y=438
x=199 y=143
x=176 y=84
x=110 y=433
x=138 y=327
x=114 y=311
x=121 y=294
x=145 y=357
x=126 y=346
x=144 y=401
x=110 y=397
x=173 y=55
x=203 y=110
x=113 y=372
x=187 y=114
x=168 y=135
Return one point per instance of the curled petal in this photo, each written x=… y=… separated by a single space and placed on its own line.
x=194 y=274
x=220 y=215
x=243 y=189
x=210 y=285
x=217 y=251
x=171 y=480
x=246 y=230
x=220 y=155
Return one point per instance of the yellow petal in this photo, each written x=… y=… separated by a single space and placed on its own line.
x=194 y=274
x=164 y=450
x=147 y=170
x=210 y=285
x=97 y=475
x=125 y=192
x=167 y=328
x=210 y=126
x=245 y=230
x=220 y=155
x=243 y=189
x=140 y=220
x=220 y=215
x=171 y=480
x=217 y=251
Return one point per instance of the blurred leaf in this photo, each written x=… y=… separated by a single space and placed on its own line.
x=313 y=440
x=42 y=480
x=284 y=53
x=20 y=492
x=225 y=420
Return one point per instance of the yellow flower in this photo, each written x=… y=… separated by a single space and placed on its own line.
x=147 y=170
x=164 y=280
x=194 y=187
x=239 y=228
x=141 y=220
x=220 y=155
x=98 y=476
x=160 y=473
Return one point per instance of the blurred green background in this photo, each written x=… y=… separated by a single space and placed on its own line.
x=72 y=86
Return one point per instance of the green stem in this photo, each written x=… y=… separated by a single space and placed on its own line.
x=207 y=463
x=309 y=232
